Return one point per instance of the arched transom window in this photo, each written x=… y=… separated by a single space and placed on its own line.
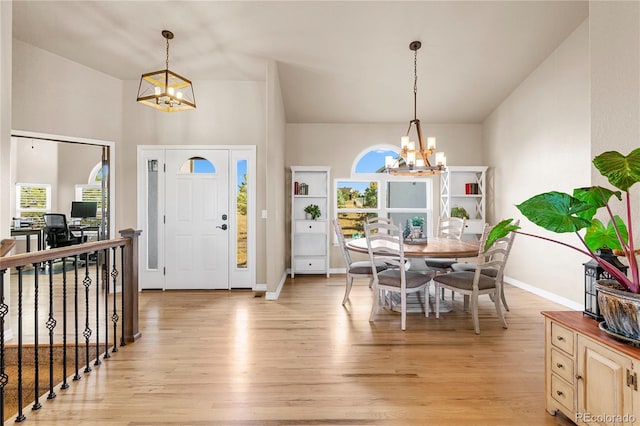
x=370 y=191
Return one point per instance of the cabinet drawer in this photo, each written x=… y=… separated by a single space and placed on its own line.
x=474 y=227
x=309 y=264
x=311 y=227
x=562 y=392
x=562 y=365
x=562 y=338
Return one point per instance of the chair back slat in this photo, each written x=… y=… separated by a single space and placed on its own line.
x=385 y=245
x=342 y=242
x=451 y=227
x=495 y=257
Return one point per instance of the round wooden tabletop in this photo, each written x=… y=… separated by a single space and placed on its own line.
x=433 y=247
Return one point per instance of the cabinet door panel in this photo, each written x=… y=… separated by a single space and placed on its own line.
x=603 y=393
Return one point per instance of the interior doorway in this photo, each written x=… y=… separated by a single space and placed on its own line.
x=51 y=172
x=197 y=212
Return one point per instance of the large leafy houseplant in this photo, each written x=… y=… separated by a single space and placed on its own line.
x=561 y=213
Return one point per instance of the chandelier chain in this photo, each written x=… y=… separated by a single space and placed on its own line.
x=415 y=84
x=167 y=61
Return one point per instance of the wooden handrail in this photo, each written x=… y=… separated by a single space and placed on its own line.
x=6 y=246
x=129 y=244
x=31 y=258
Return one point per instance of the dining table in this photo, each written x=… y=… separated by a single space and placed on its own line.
x=416 y=251
x=428 y=247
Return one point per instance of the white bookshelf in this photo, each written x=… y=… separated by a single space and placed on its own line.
x=309 y=238
x=454 y=193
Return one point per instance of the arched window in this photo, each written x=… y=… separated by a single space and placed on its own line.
x=370 y=191
x=92 y=191
x=372 y=161
x=96 y=174
x=197 y=165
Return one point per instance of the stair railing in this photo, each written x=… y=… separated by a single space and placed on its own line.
x=89 y=287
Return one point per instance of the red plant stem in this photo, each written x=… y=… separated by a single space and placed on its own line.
x=611 y=270
x=585 y=252
x=623 y=244
x=631 y=257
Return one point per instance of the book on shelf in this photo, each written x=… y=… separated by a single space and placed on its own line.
x=471 y=188
x=300 y=188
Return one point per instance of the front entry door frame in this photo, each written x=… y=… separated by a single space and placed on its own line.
x=151 y=190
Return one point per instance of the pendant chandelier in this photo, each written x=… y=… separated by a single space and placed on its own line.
x=414 y=160
x=165 y=90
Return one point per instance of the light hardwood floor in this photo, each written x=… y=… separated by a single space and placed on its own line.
x=229 y=358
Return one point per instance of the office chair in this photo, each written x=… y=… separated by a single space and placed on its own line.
x=57 y=232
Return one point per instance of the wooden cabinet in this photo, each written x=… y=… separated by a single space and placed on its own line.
x=589 y=376
x=465 y=187
x=309 y=238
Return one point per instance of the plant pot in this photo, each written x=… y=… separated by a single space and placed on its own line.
x=416 y=231
x=620 y=308
x=307 y=216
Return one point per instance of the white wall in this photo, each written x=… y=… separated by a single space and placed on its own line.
x=6 y=17
x=54 y=95
x=275 y=241
x=536 y=141
x=338 y=145
x=81 y=102
x=615 y=87
x=227 y=113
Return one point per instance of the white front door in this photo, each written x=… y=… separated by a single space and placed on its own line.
x=197 y=219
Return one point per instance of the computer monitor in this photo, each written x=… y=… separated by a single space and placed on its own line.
x=83 y=209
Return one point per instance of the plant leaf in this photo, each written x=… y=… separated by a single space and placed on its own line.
x=556 y=212
x=597 y=196
x=598 y=236
x=622 y=172
x=501 y=230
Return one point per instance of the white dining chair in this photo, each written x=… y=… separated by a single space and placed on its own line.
x=448 y=227
x=385 y=245
x=486 y=278
x=357 y=269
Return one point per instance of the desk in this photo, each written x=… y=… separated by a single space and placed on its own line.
x=83 y=228
x=434 y=247
x=28 y=232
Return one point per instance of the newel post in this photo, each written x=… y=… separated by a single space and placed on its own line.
x=130 y=270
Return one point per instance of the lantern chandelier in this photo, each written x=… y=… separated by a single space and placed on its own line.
x=165 y=90
x=414 y=161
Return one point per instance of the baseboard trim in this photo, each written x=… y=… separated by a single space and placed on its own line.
x=545 y=294
x=260 y=288
x=274 y=295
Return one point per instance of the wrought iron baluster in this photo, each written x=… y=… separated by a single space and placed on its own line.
x=87 y=330
x=99 y=284
x=122 y=340
x=114 y=316
x=21 y=417
x=4 y=379
x=51 y=325
x=106 y=303
x=36 y=375
x=76 y=309
x=65 y=384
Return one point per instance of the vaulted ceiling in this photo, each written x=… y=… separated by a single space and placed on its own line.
x=339 y=62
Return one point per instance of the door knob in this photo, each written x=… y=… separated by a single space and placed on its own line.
x=223 y=227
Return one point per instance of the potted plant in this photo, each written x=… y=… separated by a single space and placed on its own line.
x=416 y=226
x=313 y=211
x=460 y=212
x=559 y=212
